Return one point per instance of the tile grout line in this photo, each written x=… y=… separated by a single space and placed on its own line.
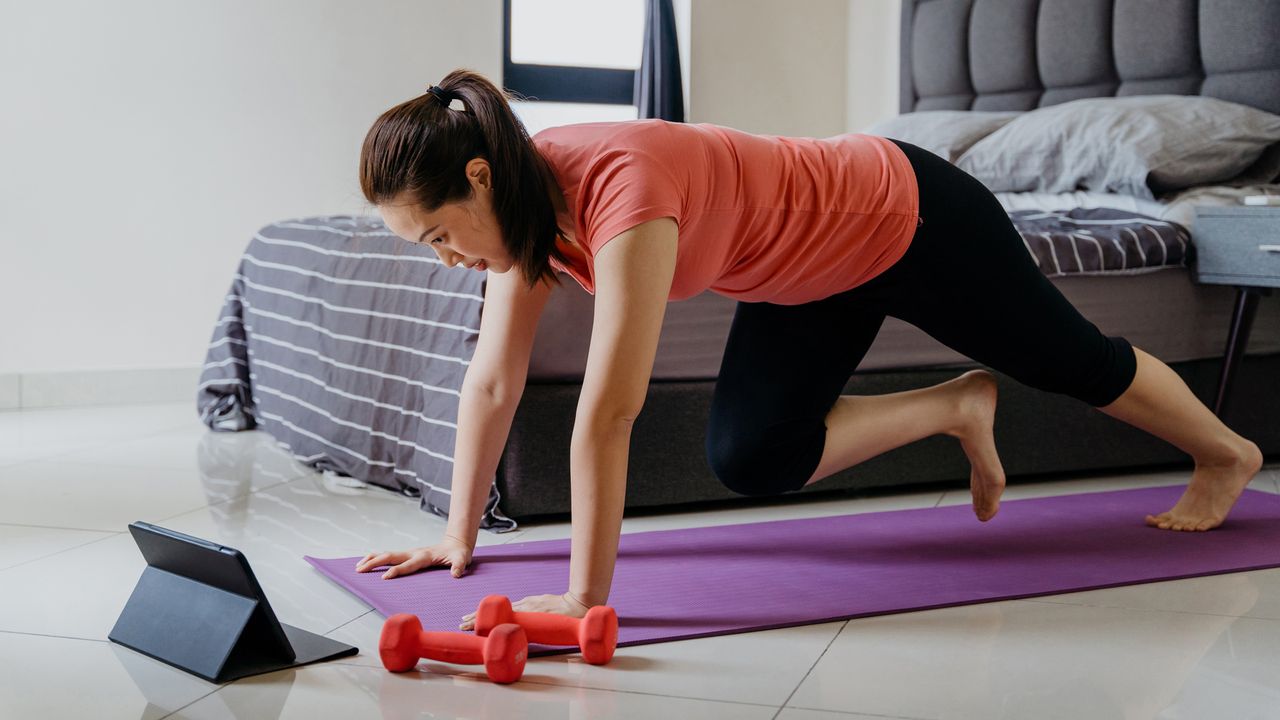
x=470 y=676
x=193 y=702
x=54 y=637
x=821 y=655
x=111 y=536
x=59 y=527
x=334 y=630
x=860 y=714
x=640 y=692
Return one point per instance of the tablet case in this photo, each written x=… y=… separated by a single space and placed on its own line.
x=199 y=608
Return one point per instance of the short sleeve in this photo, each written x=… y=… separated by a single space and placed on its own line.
x=623 y=188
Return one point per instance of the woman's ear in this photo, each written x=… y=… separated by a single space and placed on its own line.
x=479 y=172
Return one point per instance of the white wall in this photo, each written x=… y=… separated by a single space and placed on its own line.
x=872 y=61
x=770 y=66
x=144 y=141
x=807 y=68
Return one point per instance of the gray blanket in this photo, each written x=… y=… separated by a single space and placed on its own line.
x=348 y=346
x=1100 y=240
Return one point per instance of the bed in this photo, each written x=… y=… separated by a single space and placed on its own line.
x=348 y=346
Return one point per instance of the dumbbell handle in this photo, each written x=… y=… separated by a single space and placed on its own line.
x=451 y=647
x=549 y=628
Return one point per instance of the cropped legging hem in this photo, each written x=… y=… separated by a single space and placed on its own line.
x=967 y=279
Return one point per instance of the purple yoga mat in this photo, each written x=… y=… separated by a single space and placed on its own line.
x=676 y=584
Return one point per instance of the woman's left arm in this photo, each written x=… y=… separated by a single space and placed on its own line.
x=633 y=276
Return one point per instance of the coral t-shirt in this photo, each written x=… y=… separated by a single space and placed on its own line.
x=762 y=218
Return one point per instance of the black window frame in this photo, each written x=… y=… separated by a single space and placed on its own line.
x=563 y=83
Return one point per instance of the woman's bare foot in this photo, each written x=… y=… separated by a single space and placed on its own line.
x=1214 y=488
x=976 y=412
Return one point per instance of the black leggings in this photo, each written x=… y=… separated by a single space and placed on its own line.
x=967 y=280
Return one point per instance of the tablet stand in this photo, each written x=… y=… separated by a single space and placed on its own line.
x=215 y=634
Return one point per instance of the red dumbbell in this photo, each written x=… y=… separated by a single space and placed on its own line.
x=596 y=634
x=502 y=653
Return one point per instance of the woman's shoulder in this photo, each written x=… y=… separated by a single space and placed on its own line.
x=597 y=137
x=649 y=131
x=591 y=152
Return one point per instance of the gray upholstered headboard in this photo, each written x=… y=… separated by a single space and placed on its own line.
x=1023 y=54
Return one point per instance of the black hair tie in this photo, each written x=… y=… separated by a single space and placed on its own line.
x=444 y=96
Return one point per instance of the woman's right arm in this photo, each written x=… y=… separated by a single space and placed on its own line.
x=491 y=391
x=490 y=394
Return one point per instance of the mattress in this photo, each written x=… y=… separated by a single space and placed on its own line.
x=1158 y=309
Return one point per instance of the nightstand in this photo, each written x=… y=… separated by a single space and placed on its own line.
x=1237 y=246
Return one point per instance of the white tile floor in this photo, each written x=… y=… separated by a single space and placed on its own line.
x=71 y=480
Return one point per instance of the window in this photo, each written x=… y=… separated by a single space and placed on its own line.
x=575 y=59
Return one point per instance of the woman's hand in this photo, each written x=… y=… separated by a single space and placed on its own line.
x=558 y=604
x=449 y=551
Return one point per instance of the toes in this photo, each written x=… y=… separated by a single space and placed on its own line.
x=1166 y=521
x=985 y=510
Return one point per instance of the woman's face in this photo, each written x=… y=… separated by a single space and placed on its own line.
x=464 y=233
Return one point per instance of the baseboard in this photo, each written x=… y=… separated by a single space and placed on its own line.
x=10 y=391
x=140 y=386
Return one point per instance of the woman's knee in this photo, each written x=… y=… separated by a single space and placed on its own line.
x=778 y=460
x=1097 y=377
x=1112 y=375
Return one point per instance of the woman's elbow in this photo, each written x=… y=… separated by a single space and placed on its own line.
x=612 y=417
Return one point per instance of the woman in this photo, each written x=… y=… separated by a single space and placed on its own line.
x=819 y=240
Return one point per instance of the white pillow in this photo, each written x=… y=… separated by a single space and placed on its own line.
x=1140 y=146
x=946 y=133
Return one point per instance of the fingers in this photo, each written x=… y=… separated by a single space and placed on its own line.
x=375 y=560
x=372 y=560
x=409 y=563
x=405 y=568
x=415 y=563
